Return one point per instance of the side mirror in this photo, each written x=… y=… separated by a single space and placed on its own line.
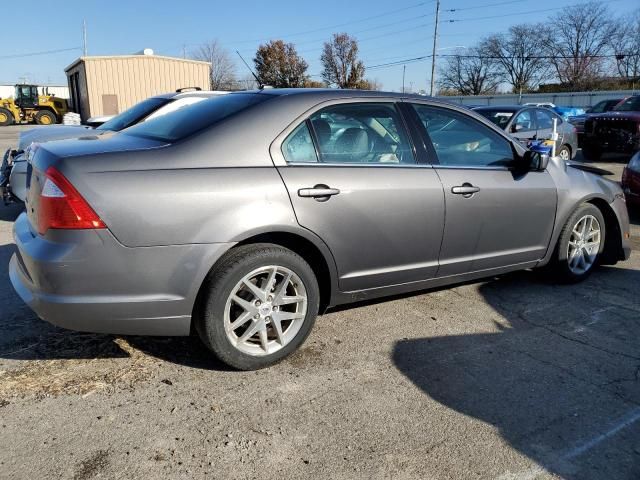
x=514 y=128
x=535 y=161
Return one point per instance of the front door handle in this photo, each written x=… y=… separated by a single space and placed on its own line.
x=321 y=193
x=466 y=190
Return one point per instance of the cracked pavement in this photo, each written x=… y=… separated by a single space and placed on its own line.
x=510 y=378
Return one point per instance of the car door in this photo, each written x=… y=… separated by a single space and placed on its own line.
x=523 y=126
x=351 y=173
x=495 y=217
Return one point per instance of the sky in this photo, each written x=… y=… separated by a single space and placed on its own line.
x=387 y=32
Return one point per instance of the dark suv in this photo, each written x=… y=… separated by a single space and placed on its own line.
x=616 y=131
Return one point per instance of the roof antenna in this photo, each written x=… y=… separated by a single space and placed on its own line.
x=261 y=86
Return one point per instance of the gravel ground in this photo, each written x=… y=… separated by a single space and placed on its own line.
x=510 y=378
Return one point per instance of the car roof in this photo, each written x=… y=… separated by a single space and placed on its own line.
x=192 y=93
x=324 y=94
x=505 y=108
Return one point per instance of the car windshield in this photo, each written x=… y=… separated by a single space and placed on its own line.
x=134 y=114
x=499 y=117
x=631 y=104
x=194 y=118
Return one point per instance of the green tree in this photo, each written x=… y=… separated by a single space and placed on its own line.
x=279 y=65
x=341 y=66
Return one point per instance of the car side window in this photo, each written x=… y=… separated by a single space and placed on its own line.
x=544 y=120
x=298 y=146
x=461 y=141
x=362 y=133
x=523 y=122
x=599 y=107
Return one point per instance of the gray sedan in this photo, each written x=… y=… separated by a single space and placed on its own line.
x=243 y=218
x=534 y=123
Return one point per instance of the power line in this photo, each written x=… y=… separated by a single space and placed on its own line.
x=34 y=54
x=474 y=19
x=490 y=57
x=339 y=25
x=482 y=6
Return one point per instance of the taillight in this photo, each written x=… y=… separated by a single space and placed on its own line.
x=62 y=206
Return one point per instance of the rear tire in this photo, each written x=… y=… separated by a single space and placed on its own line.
x=270 y=294
x=6 y=118
x=580 y=245
x=564 y=153
x=45 y=117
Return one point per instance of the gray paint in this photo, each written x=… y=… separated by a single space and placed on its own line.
x=173 y=210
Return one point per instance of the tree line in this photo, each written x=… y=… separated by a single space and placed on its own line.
x=279 y=65
x=583 y=47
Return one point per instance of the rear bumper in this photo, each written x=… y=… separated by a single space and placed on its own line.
x=87 y=281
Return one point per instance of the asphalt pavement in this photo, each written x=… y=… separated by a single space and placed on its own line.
x=514 y=377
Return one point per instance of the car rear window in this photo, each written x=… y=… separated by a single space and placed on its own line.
x=194 y=118
x=134 y=114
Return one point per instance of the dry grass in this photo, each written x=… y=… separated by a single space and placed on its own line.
x=116 y=364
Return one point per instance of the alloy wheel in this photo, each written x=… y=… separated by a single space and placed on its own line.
x=265 y=310
x=584 y=244
x=564 y=154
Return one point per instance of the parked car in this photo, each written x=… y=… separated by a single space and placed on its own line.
x=617 y=131
x=533 y=123
x=631 y=180
x=242 y=218
x=600 y=107
x=14 y=168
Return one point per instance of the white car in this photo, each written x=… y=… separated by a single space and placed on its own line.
x=13 y=175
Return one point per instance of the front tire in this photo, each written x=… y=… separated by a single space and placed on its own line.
x=580 y=245
x=45 y=117
x=259 y=305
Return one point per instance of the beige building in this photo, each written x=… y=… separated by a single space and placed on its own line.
x=110 y=85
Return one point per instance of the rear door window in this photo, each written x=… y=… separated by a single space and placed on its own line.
x=362 y=133
x=544 y=119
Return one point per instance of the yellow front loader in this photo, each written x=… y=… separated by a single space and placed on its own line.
x=28 y=106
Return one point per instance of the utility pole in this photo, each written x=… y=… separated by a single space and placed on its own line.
x=84 y=38
x=435 y=46
x=404 y=70
x=184 y=50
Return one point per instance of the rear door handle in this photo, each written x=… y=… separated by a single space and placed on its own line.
x=322 y=193
x=466 y=190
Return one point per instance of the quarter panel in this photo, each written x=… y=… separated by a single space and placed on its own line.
x=188 y=206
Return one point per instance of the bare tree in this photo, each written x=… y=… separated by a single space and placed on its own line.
x=625 y=45
x=469 y=72
x=577 y=43
x=222 y=72
x=341 y=66
x=279 y=65
x=516 y=55
x=247 y=83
